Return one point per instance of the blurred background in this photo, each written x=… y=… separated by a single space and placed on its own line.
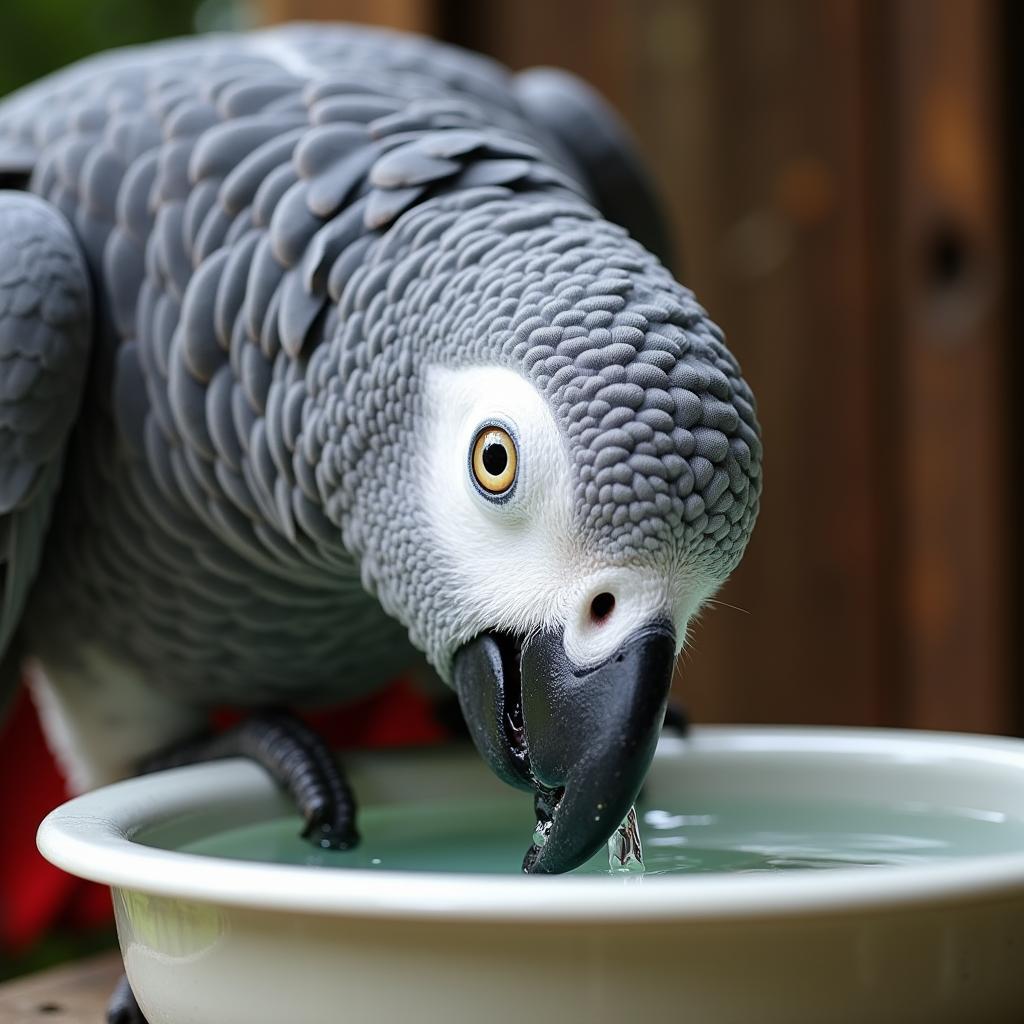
x=844 y=186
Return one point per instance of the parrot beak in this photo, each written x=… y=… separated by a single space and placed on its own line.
x=580 y=739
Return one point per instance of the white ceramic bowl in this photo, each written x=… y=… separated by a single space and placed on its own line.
x=211 y=941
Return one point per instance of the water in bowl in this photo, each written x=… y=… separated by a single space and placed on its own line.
x=723 y=835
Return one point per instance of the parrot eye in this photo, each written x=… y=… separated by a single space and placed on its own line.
x=494 y=460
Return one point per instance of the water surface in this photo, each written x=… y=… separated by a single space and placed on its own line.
x=720 y=835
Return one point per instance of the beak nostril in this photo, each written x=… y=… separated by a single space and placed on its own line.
x=602 y=606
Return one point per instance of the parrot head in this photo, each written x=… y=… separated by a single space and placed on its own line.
x=565 y=679
x=560 y=466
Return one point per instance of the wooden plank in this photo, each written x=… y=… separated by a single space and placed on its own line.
x=410 y=15
x=72 y=994
x=790 y=279
x=955 y=480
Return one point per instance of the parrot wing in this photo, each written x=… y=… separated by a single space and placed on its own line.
x=592 y=135
x=45 y=333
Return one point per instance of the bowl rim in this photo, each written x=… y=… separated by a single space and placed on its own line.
x=91 y=836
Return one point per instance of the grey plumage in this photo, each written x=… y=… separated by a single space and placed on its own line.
x=45 y=327
x=283 y=230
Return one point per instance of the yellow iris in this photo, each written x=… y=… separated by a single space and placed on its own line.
x=494 y=460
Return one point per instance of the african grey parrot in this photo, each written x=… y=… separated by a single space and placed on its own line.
x=318 y=350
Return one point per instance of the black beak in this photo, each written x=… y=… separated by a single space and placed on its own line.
x=580 y=739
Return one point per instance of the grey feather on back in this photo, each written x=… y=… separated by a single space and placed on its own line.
x=601 y=146
x=45 y=329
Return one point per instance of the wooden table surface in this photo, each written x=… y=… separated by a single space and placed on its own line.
x=72 y=994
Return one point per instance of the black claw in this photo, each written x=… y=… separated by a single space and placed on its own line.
x=328 y=834
x=297 y=758
x=123 y=1007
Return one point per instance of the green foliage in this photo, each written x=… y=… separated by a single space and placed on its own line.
x=39 y=36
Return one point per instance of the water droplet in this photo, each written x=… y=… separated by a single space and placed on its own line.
x=540 y=833
x=625 y=850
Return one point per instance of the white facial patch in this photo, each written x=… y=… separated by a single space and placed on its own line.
x=510 y=557
x=641 y=595
x=519 y=563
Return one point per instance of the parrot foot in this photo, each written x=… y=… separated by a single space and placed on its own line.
x=123 y=1008
x=296 y=758
x=677 y=719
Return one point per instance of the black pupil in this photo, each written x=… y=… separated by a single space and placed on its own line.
x=495 y=458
